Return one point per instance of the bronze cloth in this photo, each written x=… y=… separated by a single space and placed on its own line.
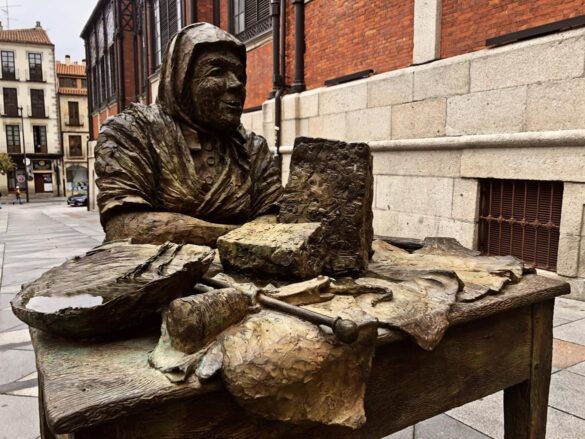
x=157 y=158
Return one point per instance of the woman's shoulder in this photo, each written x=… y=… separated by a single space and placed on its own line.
x=133 y=114
x=254 y=142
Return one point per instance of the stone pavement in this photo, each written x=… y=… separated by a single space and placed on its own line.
x=38 y=236
x=33 y=238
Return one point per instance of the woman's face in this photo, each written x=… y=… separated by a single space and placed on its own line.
x=218 y=89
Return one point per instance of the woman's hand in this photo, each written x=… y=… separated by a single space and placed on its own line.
x=159 y=227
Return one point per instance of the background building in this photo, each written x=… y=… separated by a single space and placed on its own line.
x=474 y=110
x=74 y=120
x=27 y=80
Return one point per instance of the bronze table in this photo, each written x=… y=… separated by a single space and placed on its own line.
x=107 y=390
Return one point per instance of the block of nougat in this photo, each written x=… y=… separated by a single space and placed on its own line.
x=332 y=182
x=268 y=250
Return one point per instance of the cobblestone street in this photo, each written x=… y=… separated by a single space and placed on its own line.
x=38 y=236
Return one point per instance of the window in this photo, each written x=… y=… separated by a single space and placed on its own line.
x=522 y=219
x=156 y=35
x=13 y=139
x=68 y=82
x=84 y=83
x=37 y=103
x=168 y=20
x=250 y=18
x=10 y=102
x=103 y=80
x=94 y=88
x=75 y=146
x=8 y=70
x=35 y=67
x=112 y=72
x=179 y=15
x=40 y=138
x=73 y=113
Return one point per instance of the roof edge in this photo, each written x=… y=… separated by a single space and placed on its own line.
x=91 y=18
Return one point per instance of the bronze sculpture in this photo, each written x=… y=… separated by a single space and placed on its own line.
x=184 y=169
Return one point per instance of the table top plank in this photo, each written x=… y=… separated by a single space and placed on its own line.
x=88 y=382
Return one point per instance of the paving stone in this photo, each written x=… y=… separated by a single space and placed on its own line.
x=573 y=332
x=9 y=289
x=5 y=301
x=566 y=393
x=561 y=425
x=21 y=278
x=8 y=320
x=11 y=337
x=31 y=392
x=19 y=417
x=578 y=368
x=445 y=427
x=569 y=309
x=21 y=363
x=567 y=354
x=485 y=415
x=407 y=433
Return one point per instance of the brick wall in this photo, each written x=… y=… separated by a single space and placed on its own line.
x=259 y=75
x=467 y=24
x=344 y=37
x=205 y=11
x=95 y=126
x=130 y=64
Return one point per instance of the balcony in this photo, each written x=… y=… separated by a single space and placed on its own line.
x=38 y=112
x=8 y=75
x=36 y=75
x=41 y=149
x=74 y=123
x=10 y=111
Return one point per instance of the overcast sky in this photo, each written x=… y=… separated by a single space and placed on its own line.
x=62 y=19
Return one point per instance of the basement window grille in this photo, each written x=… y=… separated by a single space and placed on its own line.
x=521 y=218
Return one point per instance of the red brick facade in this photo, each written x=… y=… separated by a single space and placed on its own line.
x=205 y=11
x=259 y=75
x=467 y=24
x=344 y=37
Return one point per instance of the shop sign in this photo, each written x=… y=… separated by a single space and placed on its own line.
x=41 y=165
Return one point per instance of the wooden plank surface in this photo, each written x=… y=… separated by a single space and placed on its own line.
x=406 y=385
x=86 y=383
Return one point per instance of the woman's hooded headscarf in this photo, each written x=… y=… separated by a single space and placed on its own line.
x=148 y=157
x=174 y=94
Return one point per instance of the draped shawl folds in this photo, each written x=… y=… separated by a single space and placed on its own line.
x=146 y=156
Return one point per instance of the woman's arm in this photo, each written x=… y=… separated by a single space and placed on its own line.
x=159 y=227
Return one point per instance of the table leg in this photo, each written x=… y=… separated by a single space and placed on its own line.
x=526 y=404
x=46 y=433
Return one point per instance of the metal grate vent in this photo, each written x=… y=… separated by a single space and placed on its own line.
x=521 y=218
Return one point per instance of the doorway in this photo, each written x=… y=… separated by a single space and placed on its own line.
x=43 y=183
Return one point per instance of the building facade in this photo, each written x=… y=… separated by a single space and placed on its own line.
x=473 y=110
x=29 y=131
x=74 y=124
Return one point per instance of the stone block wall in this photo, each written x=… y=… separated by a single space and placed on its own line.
x=435 y=130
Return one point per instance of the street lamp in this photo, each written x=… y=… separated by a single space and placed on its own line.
x=20 y=112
